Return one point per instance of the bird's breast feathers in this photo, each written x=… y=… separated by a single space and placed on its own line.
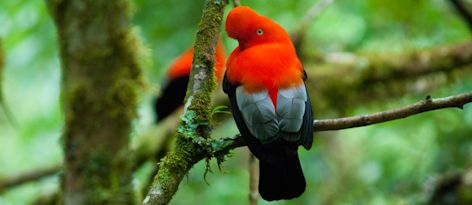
x=264 y=67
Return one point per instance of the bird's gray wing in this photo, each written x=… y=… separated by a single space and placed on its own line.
x=258 y=114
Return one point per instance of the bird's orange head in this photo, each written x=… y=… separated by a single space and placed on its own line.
x=250 y=28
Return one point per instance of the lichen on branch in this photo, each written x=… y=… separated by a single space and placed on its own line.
x=193 y=142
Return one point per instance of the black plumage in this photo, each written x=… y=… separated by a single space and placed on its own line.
x=171 y=98
x=281 y=176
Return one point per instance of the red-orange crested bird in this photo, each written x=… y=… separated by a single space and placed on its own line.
x=173 y=94
x=265 y=84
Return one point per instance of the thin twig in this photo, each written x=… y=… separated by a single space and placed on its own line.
x=463 y=12
x=429 y=104
x=306 y=21
x=27 y=177
x=236 y=3
x=315 y=11
x=253 y=180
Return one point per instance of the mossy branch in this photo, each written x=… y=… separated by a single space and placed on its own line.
x=100 y=69
x=193 y=143
x=375 y=68
x=359 y=78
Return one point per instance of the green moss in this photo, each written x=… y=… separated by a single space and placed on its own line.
x=193 y=135
x=176 y=164
x=101 y=73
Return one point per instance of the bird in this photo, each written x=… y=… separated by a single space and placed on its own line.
x=177 y=78
x=265 y=83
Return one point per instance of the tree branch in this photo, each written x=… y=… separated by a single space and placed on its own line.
x=429 y=104
x=9 y=182
x=193 y=142
x=453 y=187
x=313 y=12
x=48 y=199
x=253 y=180
x=236 y=3
x=357 y=78
x=462 y=11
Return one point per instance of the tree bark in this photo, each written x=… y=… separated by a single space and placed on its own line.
x=100 y=75
x=193 y=143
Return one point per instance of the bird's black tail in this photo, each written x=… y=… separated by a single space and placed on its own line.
x=281 y=178
x=171 y=98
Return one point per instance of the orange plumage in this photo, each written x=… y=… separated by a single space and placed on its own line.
x=261 y=61
x=269 y=101
x=183 y=64
x=173 y=92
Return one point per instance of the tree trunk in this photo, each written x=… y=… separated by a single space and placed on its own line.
x=100 y=74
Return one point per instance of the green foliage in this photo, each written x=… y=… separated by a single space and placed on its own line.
x=222 y=109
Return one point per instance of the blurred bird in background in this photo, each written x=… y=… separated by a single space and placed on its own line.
x=177 y=78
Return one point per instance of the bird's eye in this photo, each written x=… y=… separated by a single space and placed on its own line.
x=260 y=32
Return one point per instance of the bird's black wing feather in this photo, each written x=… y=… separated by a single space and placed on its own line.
x=281 y=176
x=307 y=130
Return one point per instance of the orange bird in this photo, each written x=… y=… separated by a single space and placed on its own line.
x=173 y=94
x=265 y=84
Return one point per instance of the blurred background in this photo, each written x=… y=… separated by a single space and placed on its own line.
x=391 y=163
